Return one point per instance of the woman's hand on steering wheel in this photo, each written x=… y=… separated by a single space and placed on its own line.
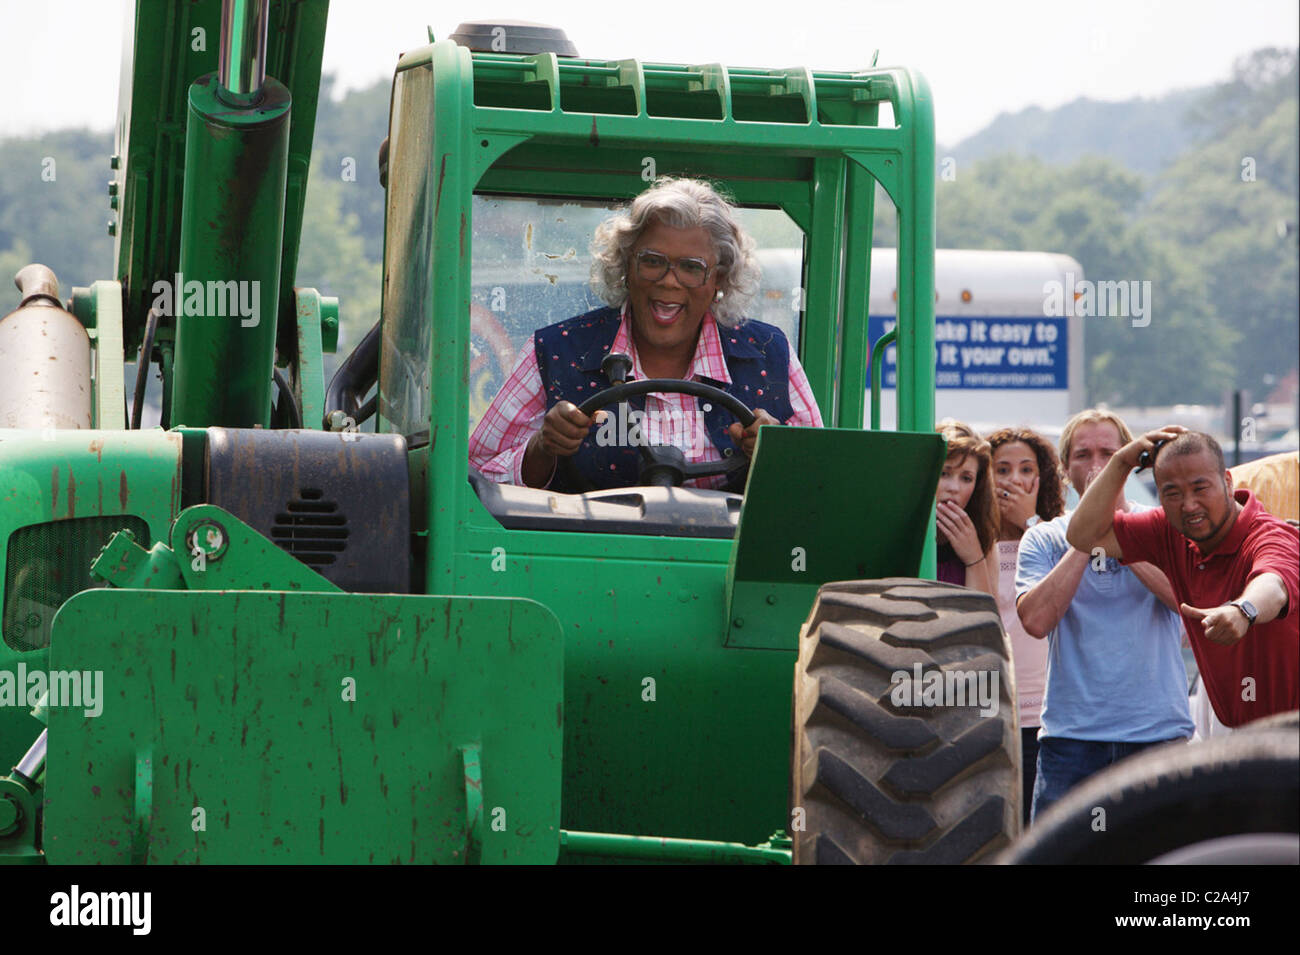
x=745 y=437
x=665 y=463
x=565 y=427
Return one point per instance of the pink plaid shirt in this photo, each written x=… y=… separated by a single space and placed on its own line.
x=496 y=448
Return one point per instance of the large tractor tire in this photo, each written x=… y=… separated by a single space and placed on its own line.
x=1227 y=800
x=877 y=779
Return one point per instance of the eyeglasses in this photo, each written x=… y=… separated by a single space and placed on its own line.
x=653 y=266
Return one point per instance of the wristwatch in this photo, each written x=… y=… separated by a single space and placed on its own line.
x=1246 y=607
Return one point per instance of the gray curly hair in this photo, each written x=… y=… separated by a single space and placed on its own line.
x=680 y=204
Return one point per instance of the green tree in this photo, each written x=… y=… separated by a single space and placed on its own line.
x=348 y=133
x=54 y=204
x=332 y=257
x=1259 y=81
x=1091 y=210
x=1231 y=206
x=11 y=260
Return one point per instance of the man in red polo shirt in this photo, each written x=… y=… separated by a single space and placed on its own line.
x=1234 y=567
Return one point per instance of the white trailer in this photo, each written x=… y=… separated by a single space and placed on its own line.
x=1001 y=357
x=1002 y=360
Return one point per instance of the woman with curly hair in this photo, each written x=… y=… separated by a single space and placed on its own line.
x=965 y=516
x=1027 y=480
x=677 y=272
x=1028 y=490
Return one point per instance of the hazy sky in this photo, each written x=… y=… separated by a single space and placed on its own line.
x=59 y=58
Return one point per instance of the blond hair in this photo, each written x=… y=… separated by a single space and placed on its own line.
x=1091 y=416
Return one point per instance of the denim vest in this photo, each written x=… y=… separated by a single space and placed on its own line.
x=569 y=354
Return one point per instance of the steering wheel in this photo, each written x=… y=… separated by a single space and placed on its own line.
x=664 y=465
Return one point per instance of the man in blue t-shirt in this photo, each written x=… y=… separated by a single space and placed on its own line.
x=1116 y=683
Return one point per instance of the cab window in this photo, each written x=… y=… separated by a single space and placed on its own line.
x=532 y=265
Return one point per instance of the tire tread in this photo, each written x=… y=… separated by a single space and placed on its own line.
x=883 y=783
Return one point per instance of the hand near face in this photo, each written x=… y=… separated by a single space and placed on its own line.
x=956 y=527
x=745 y=437
x=1015 y=503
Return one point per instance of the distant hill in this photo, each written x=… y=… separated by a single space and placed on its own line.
x=1142 y=135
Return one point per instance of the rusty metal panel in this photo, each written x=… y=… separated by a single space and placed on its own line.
x=327 y=728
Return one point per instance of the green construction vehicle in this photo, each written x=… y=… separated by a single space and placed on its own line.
x=291 y=625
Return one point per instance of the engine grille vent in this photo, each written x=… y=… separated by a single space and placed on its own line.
x=311 y=528
x=46 y=565
x=338 y=503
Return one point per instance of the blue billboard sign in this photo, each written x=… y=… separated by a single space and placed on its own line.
x=989 y=352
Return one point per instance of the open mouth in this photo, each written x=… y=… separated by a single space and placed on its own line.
x=665 y=313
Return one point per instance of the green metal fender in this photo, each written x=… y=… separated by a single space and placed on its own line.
x=274 y=727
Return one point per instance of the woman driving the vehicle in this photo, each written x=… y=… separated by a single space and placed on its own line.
x=677 y=272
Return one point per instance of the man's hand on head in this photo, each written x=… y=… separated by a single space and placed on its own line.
x=1222 y=625
x=746 y=437
x=1131 y=452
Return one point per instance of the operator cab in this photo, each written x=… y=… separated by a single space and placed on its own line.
x=492 y=203
x=531 y=268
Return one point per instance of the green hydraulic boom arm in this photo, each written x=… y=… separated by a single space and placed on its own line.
x=213 y=181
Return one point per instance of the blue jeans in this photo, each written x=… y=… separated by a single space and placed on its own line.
x=1064 y=763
